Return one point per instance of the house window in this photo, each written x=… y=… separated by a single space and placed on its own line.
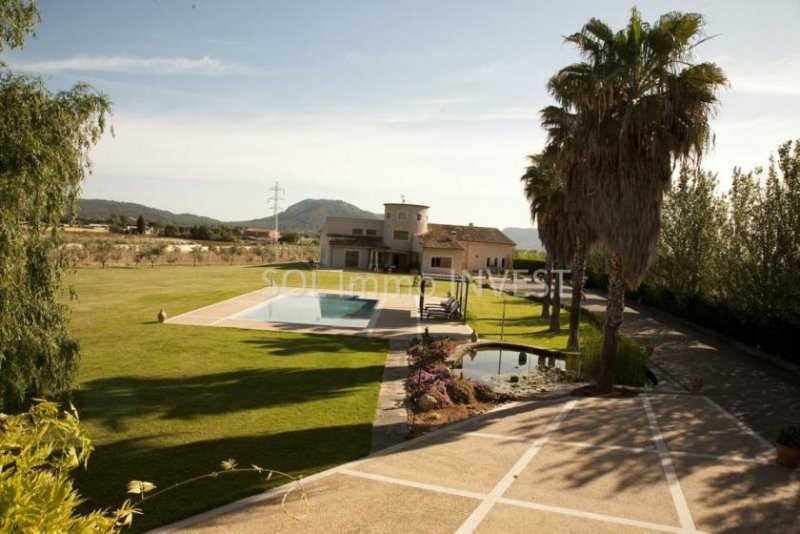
x=388 y=215
x=444 y=262
x=358 y=231
x=488 y=261
x=371 y=231
x=503 y=264
x=401 y=216
x=400 y=235
x=419 y=216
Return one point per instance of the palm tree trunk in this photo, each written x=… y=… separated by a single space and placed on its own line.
x=548 y=267
x=614 y=314
x=555 y=314
x=573 y=343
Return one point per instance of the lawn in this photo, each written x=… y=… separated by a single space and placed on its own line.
x=166 y=402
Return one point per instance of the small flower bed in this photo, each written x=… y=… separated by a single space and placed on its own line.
x=436 y=394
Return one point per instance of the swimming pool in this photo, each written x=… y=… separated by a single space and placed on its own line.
x=314 y=309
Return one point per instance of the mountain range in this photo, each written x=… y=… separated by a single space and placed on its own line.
x=307 y=216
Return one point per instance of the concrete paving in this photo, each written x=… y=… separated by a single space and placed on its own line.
x=397 y=316
x=653 y=463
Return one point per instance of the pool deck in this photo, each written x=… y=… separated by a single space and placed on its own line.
x=397 y=316
x=652 y=463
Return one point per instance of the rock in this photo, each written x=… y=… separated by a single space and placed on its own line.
x=162 y=316
x=427 y=402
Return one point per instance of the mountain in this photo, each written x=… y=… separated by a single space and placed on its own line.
x=308 y=216
x=525 y=238
x=90 y=209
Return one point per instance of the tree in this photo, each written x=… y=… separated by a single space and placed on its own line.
x=692 y=219
x=150 y=253
x=290 y=238
x=44 y=142
x=101 y=251
x=641 y=104
x=140 y=225
x=545 y=193
x=198 y=254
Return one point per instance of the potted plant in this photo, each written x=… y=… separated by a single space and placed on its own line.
x=787 y=445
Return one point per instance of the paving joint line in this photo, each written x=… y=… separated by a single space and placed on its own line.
x=530 y=453
x=643 y=450
x=678 y=498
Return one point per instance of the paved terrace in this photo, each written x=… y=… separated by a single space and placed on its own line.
x=653 y=463
x=397 y=316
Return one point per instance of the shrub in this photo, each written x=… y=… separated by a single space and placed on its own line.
x=461 y=391
x=630 y=364
x=38 y=449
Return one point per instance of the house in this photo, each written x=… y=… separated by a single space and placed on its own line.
x=268 y=234
x=405 y=240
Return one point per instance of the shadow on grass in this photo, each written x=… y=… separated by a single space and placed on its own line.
x=325 y=345
x=112 y=400
x=299 y=452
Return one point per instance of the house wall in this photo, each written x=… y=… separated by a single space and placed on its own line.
x=457 y=257
x=337 y=257
x=343 y=226
x=415 y=222
x=475 y=255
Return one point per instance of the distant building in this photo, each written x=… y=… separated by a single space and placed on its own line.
x=405 y=240
x=262 y=234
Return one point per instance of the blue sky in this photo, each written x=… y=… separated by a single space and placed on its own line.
x=370 y=100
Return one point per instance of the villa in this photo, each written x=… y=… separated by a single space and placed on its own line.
x=404 y=240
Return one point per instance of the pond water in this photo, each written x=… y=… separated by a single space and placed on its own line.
x=493 y=366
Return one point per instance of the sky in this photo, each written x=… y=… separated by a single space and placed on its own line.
x=370 y=101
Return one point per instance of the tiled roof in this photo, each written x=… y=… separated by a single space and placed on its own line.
x=444 y=235
x=357 y=241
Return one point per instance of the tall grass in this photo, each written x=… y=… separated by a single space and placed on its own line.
x=630 y=364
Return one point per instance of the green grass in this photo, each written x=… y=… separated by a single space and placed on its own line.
x=166 y=402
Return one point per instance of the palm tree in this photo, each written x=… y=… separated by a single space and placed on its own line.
x=577 y=237
x=545 y=193
x=641 y=104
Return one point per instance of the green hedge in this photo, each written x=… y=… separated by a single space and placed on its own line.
x=770 y=334
x=528 y=264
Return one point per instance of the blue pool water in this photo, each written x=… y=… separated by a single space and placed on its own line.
x=317 y=309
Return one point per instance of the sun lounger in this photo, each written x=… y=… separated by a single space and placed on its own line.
x=443 y=305
x=450 y=312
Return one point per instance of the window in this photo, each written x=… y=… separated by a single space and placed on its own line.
x=388 y=215
x=488 y=261
x=370 y=231
x=503 y=264
x=400 y=235
x=445 y=262
x=358 y=231
x=401 y=216
x=419 y=216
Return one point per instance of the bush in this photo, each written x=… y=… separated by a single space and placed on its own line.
x=461 y=391
x=630 y=364
x=38 y=449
